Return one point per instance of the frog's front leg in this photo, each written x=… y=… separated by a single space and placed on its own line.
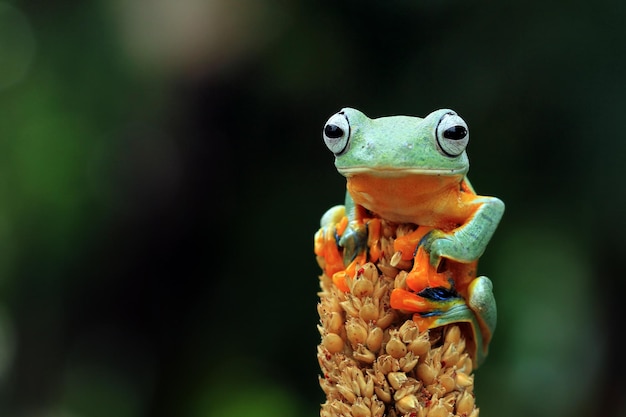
x=467 y=242
x=353 y=240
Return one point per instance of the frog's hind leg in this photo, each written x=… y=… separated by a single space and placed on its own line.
x=461 y=314
x=479 y=312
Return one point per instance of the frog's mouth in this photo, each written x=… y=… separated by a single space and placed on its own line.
x=385 y=172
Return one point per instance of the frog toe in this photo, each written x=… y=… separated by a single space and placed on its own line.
x=483 y=304
x=353 y=241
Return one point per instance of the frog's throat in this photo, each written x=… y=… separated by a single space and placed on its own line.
x=384 y=172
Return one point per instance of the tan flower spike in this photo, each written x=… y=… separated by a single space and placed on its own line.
x=374 y=360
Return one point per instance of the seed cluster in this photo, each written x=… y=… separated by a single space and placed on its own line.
x=374 y=360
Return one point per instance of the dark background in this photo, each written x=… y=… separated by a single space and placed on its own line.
x=162 y=174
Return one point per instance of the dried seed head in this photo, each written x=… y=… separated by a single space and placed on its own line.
x=386 y=319
x=335 y=322
x=333 y=302
x=360 y=410
x=400 y=280
x=396 y=379
x=407 y=404
x=369 y=311
x=408 y=362
x=435 y=389
x=449 y=401
x=447 y=383
x=338 y=408
x=465 y=404
x=349 y=307
x=396 y=348
x=388 y=270
x=395 y=259
x=426 y=373
x=463 y=380
x=346 y=392
x=362 y=287
x=363 y=354
x=408 y=388
x=326 y=386
x=333 y=342
x=367 y=385
x=374 y=339
x=437 y=410
x=383 y=393
x=324 y=358
x=420 y=346
x=465 y=364
x=357 y=379
x=450 y=356
x=378 y=408
x=386 y=364
x=356 y=331
x=433 y=357
x=370 y=272
x=453 y=334
x=381 y=293
x=408 y=331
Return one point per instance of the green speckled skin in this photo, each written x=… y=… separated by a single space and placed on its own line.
x=396 y=143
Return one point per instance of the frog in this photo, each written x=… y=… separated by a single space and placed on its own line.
x=413 y=170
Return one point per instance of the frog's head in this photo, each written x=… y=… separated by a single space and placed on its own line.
x=398 y=145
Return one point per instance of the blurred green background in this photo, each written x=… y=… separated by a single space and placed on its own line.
x=162 y=174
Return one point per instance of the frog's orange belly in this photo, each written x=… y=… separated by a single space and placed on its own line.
x=428 y=200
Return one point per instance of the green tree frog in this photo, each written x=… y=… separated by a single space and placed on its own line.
x=414 y=170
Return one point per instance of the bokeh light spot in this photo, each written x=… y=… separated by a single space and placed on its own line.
x=17 y=45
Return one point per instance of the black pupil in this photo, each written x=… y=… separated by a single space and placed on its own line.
x=333 y=131
x=455 y=132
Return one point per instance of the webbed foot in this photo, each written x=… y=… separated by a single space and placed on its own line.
x=443 y=245
x=479 y=311
x=339 y=241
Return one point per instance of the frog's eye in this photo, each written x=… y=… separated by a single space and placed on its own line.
x=452 y=134
x=336 y=133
